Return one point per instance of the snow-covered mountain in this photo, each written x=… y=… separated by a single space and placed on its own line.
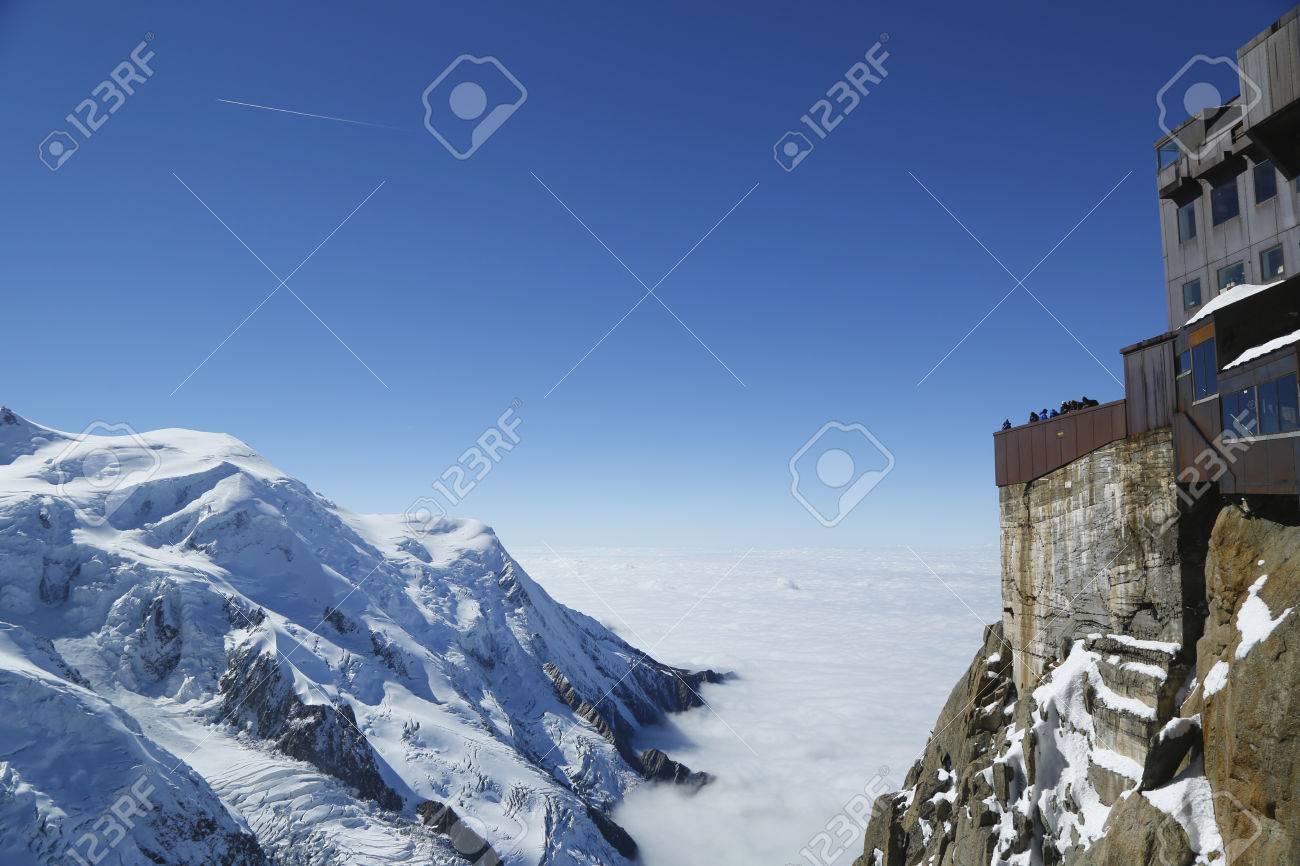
x=204 y=661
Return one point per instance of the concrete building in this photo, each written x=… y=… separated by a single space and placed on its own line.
x=1224 y=376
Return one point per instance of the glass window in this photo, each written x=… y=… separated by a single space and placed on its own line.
x=1268 y=408
x=1183 y=363
x=1239 y=416
x=1277 y=406
x=1265 y=181
x=1205 y=370
x=1191 y=294
x=1271 y=264
x=1223 y=201
x=1187 y=221
x=1169 y=153
x=1232 y=275
x=1288 y=405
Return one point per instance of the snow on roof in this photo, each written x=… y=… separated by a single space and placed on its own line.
x=1229 y=297
x=1264 y=348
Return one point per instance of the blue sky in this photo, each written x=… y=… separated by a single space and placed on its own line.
x=464 y=285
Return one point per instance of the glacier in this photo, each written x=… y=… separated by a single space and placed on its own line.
x=204 y=661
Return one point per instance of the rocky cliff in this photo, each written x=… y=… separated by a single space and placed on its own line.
x=1137 y=702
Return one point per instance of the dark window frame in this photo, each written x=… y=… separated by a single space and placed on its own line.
x=1219 y=201
x=1218 y=275
x=1189 y=224
x=1273 y=408
x=1266 y=273
x=1205 y=371
x=1264 y=169
x=1193 y=304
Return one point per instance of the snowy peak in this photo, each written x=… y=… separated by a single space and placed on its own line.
x=324 y=676
x=19 y=437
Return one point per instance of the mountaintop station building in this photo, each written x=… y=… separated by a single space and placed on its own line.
x=1224 y=375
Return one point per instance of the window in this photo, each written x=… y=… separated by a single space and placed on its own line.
x=1187 y=221
x=1239 y=414
x=1183 y=363
x=1168 y=153
x=1232 y=275
x=1191 y=294
x=1205 y=370
x=1223 y=201
x=1271 y=264
x=1265 y=181
x=1278 y=411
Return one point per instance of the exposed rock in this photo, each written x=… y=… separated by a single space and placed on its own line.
x=615 y=835
x=443 y=819
x=257 y=693
x=1084 y=551
x=1139 y=833
x=930 y=818
x=658 y=767
x=1152 y=714
x=1252 y=723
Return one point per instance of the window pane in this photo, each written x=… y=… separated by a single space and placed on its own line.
x=1205 y=373
x=1268 y=408
x=1265 y=182
x=1191 y=294
x=1182 y=363
x=1288 y=412
x=1239 y=414
x=1187 y=221
x=1232 y=275
x=1169 y=153
x=1271 y=264
x=1223 y=201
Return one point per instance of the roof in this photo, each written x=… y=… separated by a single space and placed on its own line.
x=1263 y=349
x=1229 y=297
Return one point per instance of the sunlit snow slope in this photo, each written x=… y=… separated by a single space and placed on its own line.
x=203 y=661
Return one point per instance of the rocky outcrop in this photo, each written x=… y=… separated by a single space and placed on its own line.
x=1150 y=715
x=442 y=819
x=923 y=823
x=1248 y=667
x=258 y=694
x=652 y=764
x=658 y=767
x=1089 y=549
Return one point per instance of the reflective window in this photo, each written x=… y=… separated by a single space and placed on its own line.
x=1187 y=221
x=1232 y=275
x=1169 y=153
x=1183 y=363
x=1239 y=414
x=1223 y=201
x=1191 y=294
x=1265 y=181
x=1288 y=404
x=1271 y=264
x=1277 y=406
x=1205 y=370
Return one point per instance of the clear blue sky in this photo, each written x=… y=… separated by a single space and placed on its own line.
x=464 y=285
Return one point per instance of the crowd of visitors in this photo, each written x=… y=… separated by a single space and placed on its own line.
x=1066 y=407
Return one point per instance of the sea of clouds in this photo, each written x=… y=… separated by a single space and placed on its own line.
x=842 y=660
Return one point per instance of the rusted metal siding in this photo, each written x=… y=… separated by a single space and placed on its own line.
x=1031 y=451
x=1149 y=385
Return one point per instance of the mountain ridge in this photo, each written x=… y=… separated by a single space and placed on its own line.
x=323 y=674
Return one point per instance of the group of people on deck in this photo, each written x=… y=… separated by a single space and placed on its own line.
x=1066 y=407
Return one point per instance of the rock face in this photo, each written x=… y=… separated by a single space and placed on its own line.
x=257 y=694
x=1252 y=722
x=1083 y=552
x=1151 y=712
